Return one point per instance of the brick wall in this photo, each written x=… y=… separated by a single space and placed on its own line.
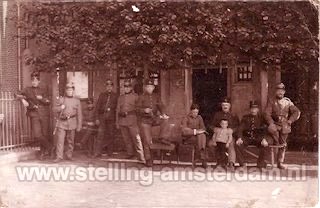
x=9 y=48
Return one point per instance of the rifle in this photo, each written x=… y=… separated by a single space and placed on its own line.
x=31 y=106
x=58 y=120
x=56 y=126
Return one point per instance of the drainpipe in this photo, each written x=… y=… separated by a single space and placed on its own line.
x=19 y=48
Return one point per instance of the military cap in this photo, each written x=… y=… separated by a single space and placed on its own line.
x=254 y=104
x=149 y=82
x=280 y=86
x=127 y=83
x=109 y=82
x=90 y=101
x=35 y=74
x=69 y=85
x=226 y=100
x=194 y=106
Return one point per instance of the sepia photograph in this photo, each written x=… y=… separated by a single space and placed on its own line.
x=160 y=103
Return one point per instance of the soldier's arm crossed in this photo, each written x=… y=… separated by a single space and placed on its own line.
x=44 y=98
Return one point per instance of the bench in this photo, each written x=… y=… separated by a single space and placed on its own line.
x=163 y=148
x=157 y=145
x=189 y=146
x=273 y=150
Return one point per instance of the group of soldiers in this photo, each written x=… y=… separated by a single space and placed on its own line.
x=135 y=115
x=270 y=127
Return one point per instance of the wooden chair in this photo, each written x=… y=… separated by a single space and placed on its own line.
x=273 y=150
x=163 y=148
x=187 y=146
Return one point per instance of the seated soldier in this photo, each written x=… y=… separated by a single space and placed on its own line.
x=193 y=130
x=253 y=131
x=89 y=129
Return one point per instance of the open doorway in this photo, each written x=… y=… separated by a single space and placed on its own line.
x=209 y=86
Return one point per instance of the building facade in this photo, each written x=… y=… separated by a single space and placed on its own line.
x=243 y=81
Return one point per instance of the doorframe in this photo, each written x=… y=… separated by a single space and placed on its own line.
x=189 y=84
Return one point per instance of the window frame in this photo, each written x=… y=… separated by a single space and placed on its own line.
x=244 y=72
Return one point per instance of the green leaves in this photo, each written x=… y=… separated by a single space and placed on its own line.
x=161 y=34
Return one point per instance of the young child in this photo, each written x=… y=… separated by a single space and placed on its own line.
x=221 y=138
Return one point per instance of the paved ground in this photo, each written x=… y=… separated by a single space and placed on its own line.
x=238 y=192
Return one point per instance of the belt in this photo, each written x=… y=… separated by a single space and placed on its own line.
x=124 y=114
x=67 y=117
x=280 y=118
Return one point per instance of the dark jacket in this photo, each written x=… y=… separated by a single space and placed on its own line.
x=36 y=107
x=252 y=126
x=190 y=123
x=89 y=119
x=149 y=101
x=106 y=106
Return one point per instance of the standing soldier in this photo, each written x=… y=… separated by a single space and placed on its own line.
x=37 y=102
x=233 y=123
x=105 y=115
x=151 y=112
x=253 y=131
x=69 y=120
x=89 y=130
x=280 y=113
x=126 y=120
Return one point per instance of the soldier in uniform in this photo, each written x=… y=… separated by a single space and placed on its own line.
x=280 y=113
x=194 y=131
x=89 y=129
x=126 y=120
x=37 y=102
x=151 y=112
x=105 y=115
x=69 y=120
x=233 y=123
x=253 y=131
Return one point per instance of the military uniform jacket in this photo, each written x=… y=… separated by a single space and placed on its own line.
x=43 y=105
x=126 y=113
x=106 y=106
x=89 y=117
x=71 y=117
x=252 y=126
x=189 y=123
x=233 y=120
x=281 y=111
x=149 y=101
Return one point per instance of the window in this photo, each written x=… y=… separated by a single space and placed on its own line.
x=244 y=72
x=80 y=81
x=155 y=77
